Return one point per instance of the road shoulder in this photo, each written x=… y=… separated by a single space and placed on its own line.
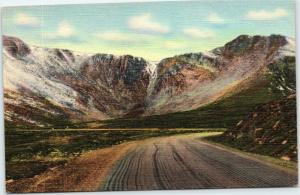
x=83 y=173
x=288 y=166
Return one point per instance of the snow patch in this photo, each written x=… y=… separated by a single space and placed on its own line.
x=288 y=49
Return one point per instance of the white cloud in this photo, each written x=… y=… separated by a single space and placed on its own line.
x=215 y=18
x=198 y=33
x=145 y=23
x=266 y=15
x=26 y=20
x=65 y=30
x=113 y=36
x=174 y=45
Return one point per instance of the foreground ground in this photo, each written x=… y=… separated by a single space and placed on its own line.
x=187 y=163
x=174 y=162
x=31 y=152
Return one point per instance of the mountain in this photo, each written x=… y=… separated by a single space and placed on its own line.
x=53 y=86
x=46 y=87
x=188 y=81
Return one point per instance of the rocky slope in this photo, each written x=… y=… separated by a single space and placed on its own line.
x=186 y=82
x=270 y=129
x=45 y=87
x=53 y=87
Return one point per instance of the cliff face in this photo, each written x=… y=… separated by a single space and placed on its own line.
x=114 y=85
x=71 y=86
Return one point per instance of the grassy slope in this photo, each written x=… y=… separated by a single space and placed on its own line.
x=270 y=130
x=221 y=114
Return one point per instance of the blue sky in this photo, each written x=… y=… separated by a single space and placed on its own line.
x=151 y=30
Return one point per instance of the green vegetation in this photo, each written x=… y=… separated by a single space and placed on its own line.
x=29 y=153
x=216 y=139
x=269 y=130
x=282 y=76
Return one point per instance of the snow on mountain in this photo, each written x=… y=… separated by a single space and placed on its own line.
x=287 y=50
x=43 y=85
x=83 y=86
x=33 y=73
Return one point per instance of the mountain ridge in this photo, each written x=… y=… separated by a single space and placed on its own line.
x=237 y=60
x=85 y=87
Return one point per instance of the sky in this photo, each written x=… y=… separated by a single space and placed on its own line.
x=152 y=30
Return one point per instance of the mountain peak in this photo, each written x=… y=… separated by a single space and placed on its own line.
x=15 y=46
x=248 y=44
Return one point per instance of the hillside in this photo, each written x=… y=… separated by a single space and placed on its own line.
x=270 y=129
x=186 y=82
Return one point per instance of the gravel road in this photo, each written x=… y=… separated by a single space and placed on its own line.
x=182 y=162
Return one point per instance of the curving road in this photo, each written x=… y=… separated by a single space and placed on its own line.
x=187 y=163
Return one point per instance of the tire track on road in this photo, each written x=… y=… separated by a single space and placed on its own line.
x=156 y=173
x=181 y=162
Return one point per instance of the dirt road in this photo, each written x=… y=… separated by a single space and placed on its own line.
x=181 y=162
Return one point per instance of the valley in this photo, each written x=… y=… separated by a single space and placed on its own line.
x=91 y=122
